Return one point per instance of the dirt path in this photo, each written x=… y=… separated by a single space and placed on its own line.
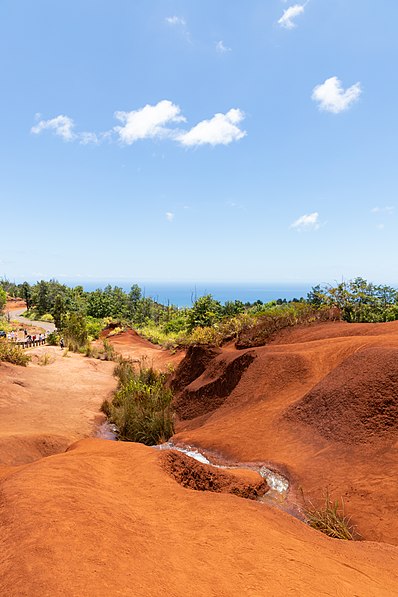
x=44 y=408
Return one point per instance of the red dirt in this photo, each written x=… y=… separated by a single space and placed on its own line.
x=357 y=402
x=43 y=409
x=106 y=519
x=203 y=477
x=130 y=344
x=251 y=424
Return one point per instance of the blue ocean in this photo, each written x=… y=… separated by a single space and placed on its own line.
x=184 y=294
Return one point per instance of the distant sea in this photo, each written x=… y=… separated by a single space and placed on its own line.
x=184 y=294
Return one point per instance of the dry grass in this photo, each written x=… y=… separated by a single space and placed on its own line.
x=45 y=359
x=330 y=519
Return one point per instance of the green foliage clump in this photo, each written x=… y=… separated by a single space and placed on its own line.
x=358 y=300
x=47 y=317
x=52 y=339
x=141 y=407
x=12 y=353
x=75 y=332
x=205 y=312
x=3 y=299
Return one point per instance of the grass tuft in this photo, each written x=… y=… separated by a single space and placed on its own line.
x=330 y=519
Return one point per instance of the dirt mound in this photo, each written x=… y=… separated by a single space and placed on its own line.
x=21 y=449
x=106 y=519
x=357 y=402
x=210 y=390
x=131 y=345
x=193 y=365
x=202 y=477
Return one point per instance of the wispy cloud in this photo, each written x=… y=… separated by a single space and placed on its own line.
x=306 y=222
x=169 y=216
x=61 y=125
x=148 y=122
x=221 y=48
x=388 y=209
x=222 y=129
x=332 y=97
x=155 y=122
x=176 y=21
x=287 y=20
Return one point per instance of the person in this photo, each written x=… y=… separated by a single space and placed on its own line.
x=61 y=343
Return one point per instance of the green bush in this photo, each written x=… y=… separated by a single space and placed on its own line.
x=53 y=339
x=47 y=317
x=12 y=353
x=141 y=407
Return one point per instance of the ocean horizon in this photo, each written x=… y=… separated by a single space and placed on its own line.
x=184 y=294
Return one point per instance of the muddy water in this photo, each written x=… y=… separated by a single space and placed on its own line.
x=106 y=431
x=278 y=492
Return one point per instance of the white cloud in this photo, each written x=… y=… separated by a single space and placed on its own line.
x=222 y=129
x=388 y=209
x=87 y=138
x=176 y=21
x=169 y=216
x=307 y=222
x=287 y=19
x=332 y=97
x=61 y=125
x=221 y=48
x=148 y=122
x=153 y=122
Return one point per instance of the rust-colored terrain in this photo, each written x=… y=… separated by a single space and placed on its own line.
x=318 y=404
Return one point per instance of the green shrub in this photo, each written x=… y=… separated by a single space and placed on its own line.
x=141 y=407
x=12 y=353
x=47 y=317
x=53 y=339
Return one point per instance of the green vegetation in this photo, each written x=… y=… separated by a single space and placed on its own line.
x=3 y=299
x=11 y=353
x=330 y=519
x=80 y=316
x=358 y=300
x=141 y=408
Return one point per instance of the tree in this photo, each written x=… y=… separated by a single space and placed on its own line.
x=58 y=311
x=27 y=295
x=205 y=312
x=3 y=299
x=75 y=330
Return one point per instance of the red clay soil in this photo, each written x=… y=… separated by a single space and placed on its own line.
x=105 y=518
x=203 y=477
x=43 y=409
x=357 y=403
x=130 y=344
x=351 y=450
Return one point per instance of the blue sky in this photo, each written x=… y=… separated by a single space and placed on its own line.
x=199 y=140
